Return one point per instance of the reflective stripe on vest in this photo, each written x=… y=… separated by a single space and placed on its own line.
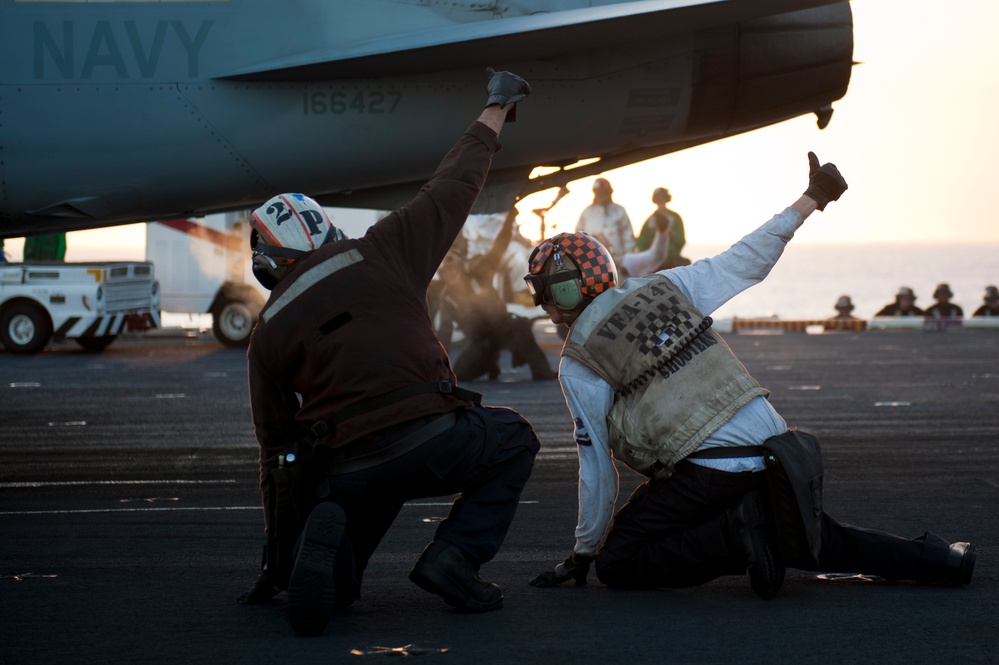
x=310 y=278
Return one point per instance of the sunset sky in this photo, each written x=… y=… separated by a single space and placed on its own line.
x=916 y=138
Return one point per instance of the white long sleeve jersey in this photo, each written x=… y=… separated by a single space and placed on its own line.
x=708 y=284
x=612 y=224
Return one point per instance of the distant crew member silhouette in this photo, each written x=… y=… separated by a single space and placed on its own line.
x=678 y=237
x=844 y=307
x=990 y=308
x=943 y=308
x=607 y=221
x=904 y=305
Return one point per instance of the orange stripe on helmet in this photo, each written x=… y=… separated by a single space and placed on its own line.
x=263 y=231
x=301 y=222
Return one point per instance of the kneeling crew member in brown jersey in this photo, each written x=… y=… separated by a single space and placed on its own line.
x=354 y=404
x=644 y=376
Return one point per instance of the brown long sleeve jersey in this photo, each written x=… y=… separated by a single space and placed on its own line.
x=349 y=322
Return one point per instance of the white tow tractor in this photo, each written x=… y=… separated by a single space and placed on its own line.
x=204 y=266
x=91 y=303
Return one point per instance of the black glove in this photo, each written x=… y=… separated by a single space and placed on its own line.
x=825 y=183
x=575 y=567
x=506 y=88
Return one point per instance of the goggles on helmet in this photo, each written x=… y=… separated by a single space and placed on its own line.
x=540 y=285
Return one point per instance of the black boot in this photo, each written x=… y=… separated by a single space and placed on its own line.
x=311 y=588
x=445 y=570
x=755 y=533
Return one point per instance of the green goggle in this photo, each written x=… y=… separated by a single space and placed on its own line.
x=555 y=289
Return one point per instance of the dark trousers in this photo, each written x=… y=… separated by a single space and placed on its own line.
x=486 y=457
x=677 y=533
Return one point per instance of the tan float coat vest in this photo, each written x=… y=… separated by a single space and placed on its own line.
x=675 y=381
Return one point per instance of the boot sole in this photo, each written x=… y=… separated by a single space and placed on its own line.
x=766 y=571
x=766 y=585
x=311 y=589
x=965 y=568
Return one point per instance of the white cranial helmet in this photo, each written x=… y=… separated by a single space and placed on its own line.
x=294 y=221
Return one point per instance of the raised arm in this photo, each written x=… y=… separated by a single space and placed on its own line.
x=710 y=283
x=422 y=231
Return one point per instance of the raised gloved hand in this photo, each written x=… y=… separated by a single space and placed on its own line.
x=506 y=88
x=575 y=567
x=825 y=183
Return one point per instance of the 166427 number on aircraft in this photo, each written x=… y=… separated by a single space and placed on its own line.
x=321 y=102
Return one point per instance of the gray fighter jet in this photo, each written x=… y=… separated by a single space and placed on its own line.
x=117 y=112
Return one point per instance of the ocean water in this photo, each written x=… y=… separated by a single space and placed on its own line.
x=809 y=278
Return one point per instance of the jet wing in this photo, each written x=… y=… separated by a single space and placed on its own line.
x=517 y=39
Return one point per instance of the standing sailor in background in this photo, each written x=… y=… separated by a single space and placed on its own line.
x=45 y=247
x=607 y=221
x=678 y=236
